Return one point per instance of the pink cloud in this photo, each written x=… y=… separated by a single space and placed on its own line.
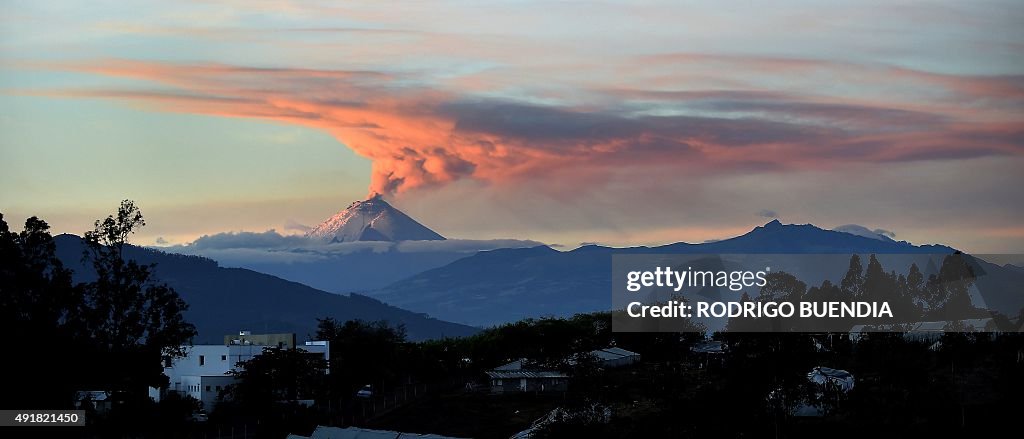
x=420 y=136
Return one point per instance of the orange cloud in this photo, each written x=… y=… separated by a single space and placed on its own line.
x=419 y=136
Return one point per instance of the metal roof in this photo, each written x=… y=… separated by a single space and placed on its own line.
x=95 y=395
x=515 y=365
x=708 y=347
x=619 y=351
x=827 y=375
x=516 y=374
x=972 y=325
x=325 y=432
x=613 y=353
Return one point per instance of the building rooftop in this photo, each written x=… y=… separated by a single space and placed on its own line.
x=708 y=347
x=517 y=374
x=612 y=353
x=324 y=432
x=515 y=365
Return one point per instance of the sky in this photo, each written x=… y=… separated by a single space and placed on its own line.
x=620 y=123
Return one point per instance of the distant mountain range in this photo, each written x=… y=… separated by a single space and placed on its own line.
x=226 y=300
x=510 y=284
x=359 y=271
x=368 y=245
x=498 y=286
x=372 y=219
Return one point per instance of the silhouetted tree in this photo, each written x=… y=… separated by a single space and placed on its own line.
x=746 y=324
x=279 y=374
x=876 y=282
x=910 y=303
x=364 y=353
x=107 y=334
x=265 y=396
x=948 y=293
x=39 y=309
x=782 y=286
x=129 y=316
x=854 y=278
x=36 y=295
x=127 y=307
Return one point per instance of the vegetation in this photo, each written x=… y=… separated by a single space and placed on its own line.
x=942 y=296
x=109 y=333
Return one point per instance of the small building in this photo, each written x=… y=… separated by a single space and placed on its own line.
x=707 y=351
x=833 y=378
x=100 y=400
x=512 y=381
x=713 y=347
x=615 y=357
x=826 y=378
x=513 y=378
x=282 y=340
x=205 y=370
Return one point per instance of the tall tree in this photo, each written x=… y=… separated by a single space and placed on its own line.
x=36 y=294
x=949 y=291
x=128 y=308
x=39 y=309
x=279 y=374
x=363 y=353
x=913 y=290
x=119 y=324
x=854 y=279
x=782 y=286
x=877 y=284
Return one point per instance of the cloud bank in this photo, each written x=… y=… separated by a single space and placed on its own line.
x=854 y=229
x=244 y=248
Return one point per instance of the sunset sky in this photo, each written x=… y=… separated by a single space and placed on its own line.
x=612 y=122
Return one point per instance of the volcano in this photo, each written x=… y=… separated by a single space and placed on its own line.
x=372 y=219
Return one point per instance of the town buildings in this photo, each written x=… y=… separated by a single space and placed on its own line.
x=205 y=370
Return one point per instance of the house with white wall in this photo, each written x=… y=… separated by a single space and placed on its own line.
x=205 y=370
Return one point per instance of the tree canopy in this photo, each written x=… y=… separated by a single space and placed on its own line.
x=104 y=334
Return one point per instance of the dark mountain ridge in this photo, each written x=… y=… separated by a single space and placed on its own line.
x=510 y=284
x=225 y=300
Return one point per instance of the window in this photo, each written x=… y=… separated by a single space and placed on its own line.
x=207 y=388
x=202 y=360
x=218 y=388
x=223 y=358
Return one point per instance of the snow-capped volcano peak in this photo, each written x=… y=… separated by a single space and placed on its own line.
x=372 y=219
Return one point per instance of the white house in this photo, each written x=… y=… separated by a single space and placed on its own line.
x=205 y=370
x=516 y=377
